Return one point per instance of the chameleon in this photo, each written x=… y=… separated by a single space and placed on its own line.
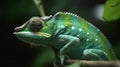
x=69 y=34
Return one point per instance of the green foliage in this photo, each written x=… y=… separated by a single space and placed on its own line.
x=44 y=57
x=76 y=64
x=112 y=10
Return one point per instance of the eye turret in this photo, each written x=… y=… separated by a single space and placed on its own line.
x=35 y=25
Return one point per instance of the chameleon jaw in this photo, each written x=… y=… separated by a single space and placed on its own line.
x=41 y=34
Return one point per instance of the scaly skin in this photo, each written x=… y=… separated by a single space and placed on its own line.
x=69 y=34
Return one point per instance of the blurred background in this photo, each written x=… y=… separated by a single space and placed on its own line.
x=15 y=53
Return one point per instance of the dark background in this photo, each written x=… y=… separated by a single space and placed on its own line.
x=14 y=53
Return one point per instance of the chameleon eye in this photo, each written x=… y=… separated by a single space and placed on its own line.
x=35 y=26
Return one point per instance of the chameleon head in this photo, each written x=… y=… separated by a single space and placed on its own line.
x=30 y=31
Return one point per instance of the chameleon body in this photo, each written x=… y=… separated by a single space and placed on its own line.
x=69 y=34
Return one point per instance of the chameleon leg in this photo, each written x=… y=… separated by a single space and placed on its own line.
x=95 y=54
x=70 y=41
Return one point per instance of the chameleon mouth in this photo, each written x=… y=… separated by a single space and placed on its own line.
x=33 y=38
x=39 y=34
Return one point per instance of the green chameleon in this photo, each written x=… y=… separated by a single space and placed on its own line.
x=67 y=33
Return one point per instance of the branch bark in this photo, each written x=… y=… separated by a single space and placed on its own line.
x=85 y=63
x=40 y=7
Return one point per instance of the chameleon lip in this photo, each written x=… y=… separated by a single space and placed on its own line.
x=34 y=34
x=14 y=32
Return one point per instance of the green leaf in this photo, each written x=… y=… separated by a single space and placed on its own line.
x=112 y=10
x=75 y=64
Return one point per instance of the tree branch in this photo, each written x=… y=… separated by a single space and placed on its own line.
x=40 y=7
x=85 y=63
